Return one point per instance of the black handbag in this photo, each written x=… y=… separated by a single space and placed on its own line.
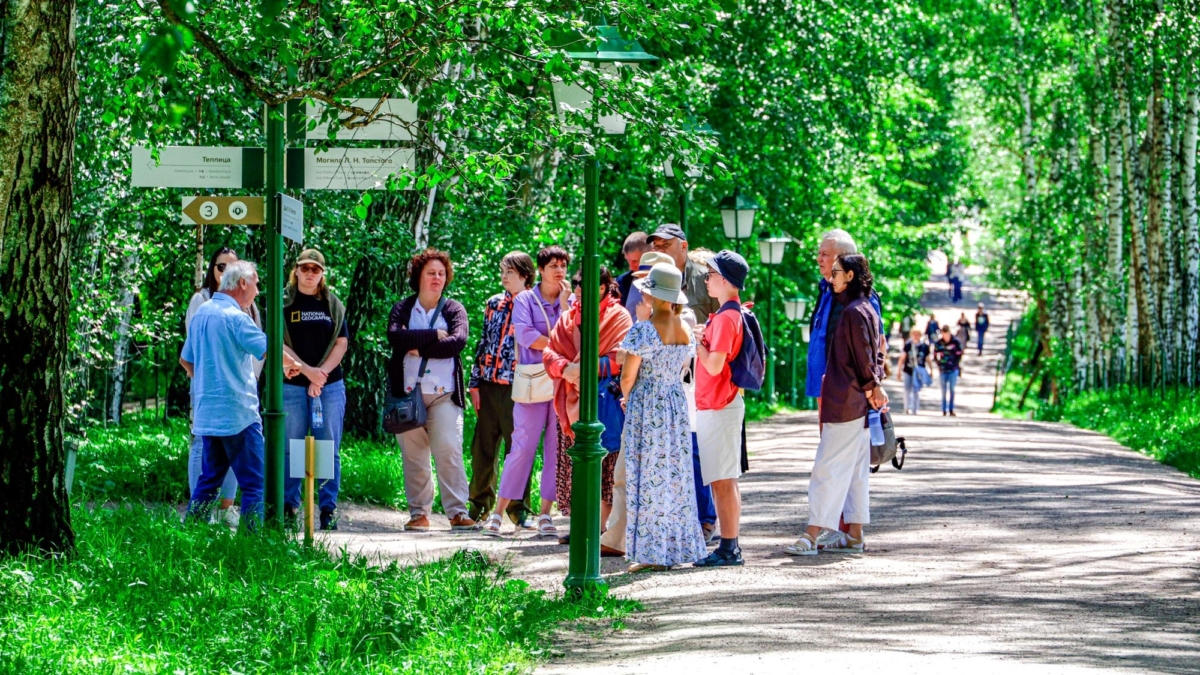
x=402 y=414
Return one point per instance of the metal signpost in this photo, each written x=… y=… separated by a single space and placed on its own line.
x=254 y=168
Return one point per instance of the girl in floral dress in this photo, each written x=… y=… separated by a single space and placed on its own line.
x=662 y=528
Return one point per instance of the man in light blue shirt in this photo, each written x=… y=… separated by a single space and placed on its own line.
x=218 y=355
x=833 y=244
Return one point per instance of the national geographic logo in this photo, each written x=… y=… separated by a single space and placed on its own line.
x=298 y=316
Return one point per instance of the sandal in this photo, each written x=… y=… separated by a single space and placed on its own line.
x=647 y=567
x=805 y=545
x=845 y=544
x=491 y=528
x=545 y=526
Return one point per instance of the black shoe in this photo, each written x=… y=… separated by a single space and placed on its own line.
x=719 y=558
x=328 y=520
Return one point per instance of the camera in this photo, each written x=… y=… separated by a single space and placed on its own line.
x=614 y=388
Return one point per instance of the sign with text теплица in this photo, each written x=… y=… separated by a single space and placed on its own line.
x=197 y=167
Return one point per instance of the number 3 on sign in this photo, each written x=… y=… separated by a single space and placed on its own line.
x=209 y=210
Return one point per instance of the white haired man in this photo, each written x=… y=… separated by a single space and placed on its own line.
x=218 y=355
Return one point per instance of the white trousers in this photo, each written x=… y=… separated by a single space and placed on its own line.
x=838 y=486
x=614 y=537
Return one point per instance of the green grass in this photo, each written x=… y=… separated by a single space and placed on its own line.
x=1148 y=420
x=145 y=594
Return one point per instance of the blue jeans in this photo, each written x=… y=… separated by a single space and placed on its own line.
x=243 y=453
x=979 y=337
x=196 y=467
x=704 y=503
x=297 y=405
x=949 y=381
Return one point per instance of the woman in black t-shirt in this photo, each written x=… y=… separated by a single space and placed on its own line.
x=316 y=336
x=915 y=355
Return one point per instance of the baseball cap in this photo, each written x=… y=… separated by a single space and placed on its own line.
x=667 y=231
x=732 y=267
x=311 y=255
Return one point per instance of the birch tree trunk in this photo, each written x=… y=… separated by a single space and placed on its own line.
x=1190 y=237
x=39 y=106
x=1158 y=219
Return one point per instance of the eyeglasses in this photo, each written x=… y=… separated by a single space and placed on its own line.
x=221 y=267
x=835 y=270
x=310 y=269
x=710 y=273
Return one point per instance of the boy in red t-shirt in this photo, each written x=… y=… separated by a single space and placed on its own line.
x=720 y=409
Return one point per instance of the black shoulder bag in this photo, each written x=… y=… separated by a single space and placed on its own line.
x=405 y=413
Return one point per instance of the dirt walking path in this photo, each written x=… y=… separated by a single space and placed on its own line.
x=1003 y=546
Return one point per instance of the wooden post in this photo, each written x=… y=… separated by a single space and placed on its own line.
x=310 y=470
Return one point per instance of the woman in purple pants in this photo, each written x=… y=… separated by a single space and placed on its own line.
x=533 y=316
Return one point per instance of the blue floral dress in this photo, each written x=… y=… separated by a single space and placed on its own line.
x=662 y=526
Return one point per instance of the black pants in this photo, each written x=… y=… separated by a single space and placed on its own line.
x=494 y=424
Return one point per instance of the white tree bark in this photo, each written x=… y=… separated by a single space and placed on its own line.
x=1190 y=234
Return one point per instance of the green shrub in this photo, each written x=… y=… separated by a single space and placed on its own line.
x=145 y=594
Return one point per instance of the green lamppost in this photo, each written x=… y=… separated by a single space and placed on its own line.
x=604 y=47
x=795 y=309
x=770 y=252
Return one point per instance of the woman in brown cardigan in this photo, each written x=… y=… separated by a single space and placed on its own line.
x=418 y=332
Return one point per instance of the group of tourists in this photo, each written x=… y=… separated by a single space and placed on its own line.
x=946 y=347
x=671 y=329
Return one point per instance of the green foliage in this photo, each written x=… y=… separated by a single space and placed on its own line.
x=146 y=594
x=143 y=460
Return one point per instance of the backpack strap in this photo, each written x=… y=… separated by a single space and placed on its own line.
x=437 y=312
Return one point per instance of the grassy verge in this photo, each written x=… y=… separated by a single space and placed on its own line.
x=1147 y=420
x=1164 y=425
x=145 y=594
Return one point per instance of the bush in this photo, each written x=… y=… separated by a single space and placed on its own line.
x=145 y=594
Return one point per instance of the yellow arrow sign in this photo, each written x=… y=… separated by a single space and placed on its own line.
x=223 y=211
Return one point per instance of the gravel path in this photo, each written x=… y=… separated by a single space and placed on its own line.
x=1003 y=546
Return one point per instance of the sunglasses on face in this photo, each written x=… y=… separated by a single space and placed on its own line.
x=310 y=269
x=221 y=267
x=835 y=270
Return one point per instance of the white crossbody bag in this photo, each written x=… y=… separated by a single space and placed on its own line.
x=531 y=383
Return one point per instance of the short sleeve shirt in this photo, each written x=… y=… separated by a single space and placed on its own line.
x=722 y=333
x=309 y=326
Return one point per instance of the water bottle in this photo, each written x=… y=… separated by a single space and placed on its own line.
x=876 y=426
x=318 y=417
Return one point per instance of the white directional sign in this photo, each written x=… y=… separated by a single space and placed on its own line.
x=354 y=168
x=291 y=218
x=387 y=127
x=324 y=459
x=188 y=167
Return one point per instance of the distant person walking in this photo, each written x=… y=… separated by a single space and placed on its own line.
x=316 y=336
x=218 y=355
x=948 y=353
x=838 y=488
x=963 y=332
x=662 y=529
x=913 y=370
x=958 y=276
x=931 y=330
x=982 y=323
x=428 y=330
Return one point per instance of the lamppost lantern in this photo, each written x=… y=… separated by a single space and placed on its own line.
x=737 y=215
x=771 y=250
x=603 y=47
x=805 y=333
x=795 y=308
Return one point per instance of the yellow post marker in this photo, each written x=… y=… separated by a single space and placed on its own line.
x=310 y=472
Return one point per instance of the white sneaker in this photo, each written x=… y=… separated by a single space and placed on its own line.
x=828 y=537
x=231 y=517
